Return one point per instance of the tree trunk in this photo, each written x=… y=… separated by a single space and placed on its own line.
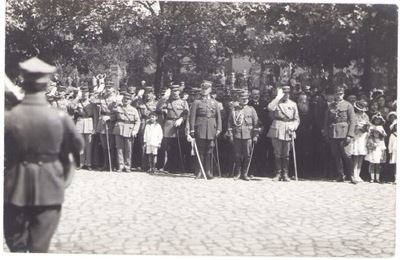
x=366 y=77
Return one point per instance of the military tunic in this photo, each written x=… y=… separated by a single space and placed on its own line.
x=126 y=127
x=339 y=124
x=174 y=109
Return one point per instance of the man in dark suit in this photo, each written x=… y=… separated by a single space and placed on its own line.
x=205 y=125
x=263 y=152
x=38 y=143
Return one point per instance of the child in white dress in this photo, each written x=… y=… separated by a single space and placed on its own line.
x=152 y=138
x=376 y=147
x=358 y=145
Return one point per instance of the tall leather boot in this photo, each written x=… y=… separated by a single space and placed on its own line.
x=238 y=171
x=207 y=165
x=285 y=168
x=278 y=169
x=245 y=173
x=106 y=165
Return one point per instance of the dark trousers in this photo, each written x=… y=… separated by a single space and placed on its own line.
x=342 y=159
x=30 y=228
x=205 y=148
x=242 y=149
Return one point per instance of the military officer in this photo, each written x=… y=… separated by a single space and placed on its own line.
x=176 y=111
x=126 y=127
x=106 y=102
x=205 y=125
x=83 y=112
x=285 y=122
x=145 y=106
x=339 y=127
x=242 y=131
x=38 y=142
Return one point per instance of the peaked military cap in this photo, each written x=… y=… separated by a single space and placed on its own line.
x=175 y=87
x=206 y=84
x=149 y=89
x=126 y=95
x=37 y=71
x=85 y=88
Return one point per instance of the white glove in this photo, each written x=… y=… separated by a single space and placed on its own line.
x=189 y=139
x=140 y=93
x=106 y=118
x=178 y=122
x=279 y=94
x=133 y=134
x=167 y=93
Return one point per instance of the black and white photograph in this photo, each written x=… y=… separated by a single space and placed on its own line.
x=199 y=128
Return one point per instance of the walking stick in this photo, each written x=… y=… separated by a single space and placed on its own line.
x=108 y=148
x=251 y=157
x=218 y=165
x=180 y=150
x=294 y=158
x=198 y=158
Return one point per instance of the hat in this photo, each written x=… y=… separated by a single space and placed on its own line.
x=361 y=105
x=153 y=113
x=36 y=71
x=377 y=94
x=126 y=95
x=85 y=88
x=380 y=131
x=109 y=83
x=391 y=114
x=338 y=90
x=393 y=124
x=378 y=116
x=149 y=89
x=206 y=84
x=175 y=87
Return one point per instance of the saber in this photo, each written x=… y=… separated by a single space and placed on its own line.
x=216 y=147
x=180 y=150
x=251 y=157
x=198 y=158
x=108 y=148
x=294 y=158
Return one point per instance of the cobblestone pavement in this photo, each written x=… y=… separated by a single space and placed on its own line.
x=166 y=214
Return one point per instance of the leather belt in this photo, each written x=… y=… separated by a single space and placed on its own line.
x=172 y=118
x=39 y=158
x=125 y=121
x=284 y=119
x=207 y=116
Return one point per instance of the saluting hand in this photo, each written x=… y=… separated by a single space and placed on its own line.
x=178 y=122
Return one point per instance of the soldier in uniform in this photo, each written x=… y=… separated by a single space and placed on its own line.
x=145 y=106
x=339 y=127
x=83 y=112
x=285 y=122
x=243 y=132
x=176 y=111
x=125 y=129
x=205 y=126
x=38 y=142
x=106 y=102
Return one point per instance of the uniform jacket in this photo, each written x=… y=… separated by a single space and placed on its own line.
x=144 y=109
x=173 y=109
x=243 y=122
x=153 y=134
x=105 y=107
x=83 y=111
x=127 y=121
x=340 y=120
x=285 y=119
x=34 y=130
x=205 y=118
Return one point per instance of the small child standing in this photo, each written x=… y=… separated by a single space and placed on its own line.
x=152 y=138
x=392 y=147
x=376 y=147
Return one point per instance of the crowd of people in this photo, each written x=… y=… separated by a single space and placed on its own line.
x=131 y=128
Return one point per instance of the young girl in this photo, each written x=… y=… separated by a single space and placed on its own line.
x=358 y=145
x=152 y=138
x=376 y=147
x=393 y=149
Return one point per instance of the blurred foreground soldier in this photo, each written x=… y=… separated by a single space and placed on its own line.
x=285 y=122
x=339 y=128
x=205 y=126
x=243 y=132
x=125 y=130
x=38 y=141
